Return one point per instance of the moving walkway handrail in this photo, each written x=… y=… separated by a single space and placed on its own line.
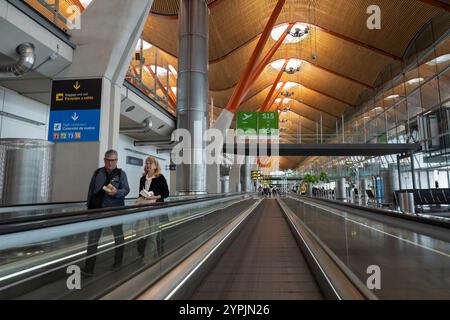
x=430 y=220
x=13 y=225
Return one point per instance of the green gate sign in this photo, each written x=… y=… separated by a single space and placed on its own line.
x=247 y=122
x=257 y=123
x=268 y=123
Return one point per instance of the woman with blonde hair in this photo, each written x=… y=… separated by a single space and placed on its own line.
x=153 y=188
x=153 y=182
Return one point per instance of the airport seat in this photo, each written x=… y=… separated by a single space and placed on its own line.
x=427 y=196
x=439 y=196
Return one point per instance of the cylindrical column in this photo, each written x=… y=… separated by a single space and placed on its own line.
x=246 y=179
x=390 y=184
x=192 y=92
x=341 y=193
x=225 y=184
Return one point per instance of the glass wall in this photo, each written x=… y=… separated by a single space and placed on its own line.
x=413 y=107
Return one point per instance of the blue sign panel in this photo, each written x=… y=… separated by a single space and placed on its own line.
x=75 y=110
x=74 y=126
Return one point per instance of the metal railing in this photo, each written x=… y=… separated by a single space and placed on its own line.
x=135 y=80
x=63 y=13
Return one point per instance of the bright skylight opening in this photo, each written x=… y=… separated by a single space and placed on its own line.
x=174 y=89
x=285 y=101
x=277 y=32
x=161 y=71
x=85 y=3
x=173 y=70
x=288 y=85
x=293 y=63
x=394 y=96
x=146 y=45
x=415 y=81
x=439 y=60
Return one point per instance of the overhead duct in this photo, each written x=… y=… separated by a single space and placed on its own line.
x=24 y=64
x=157 y=142
x=145 y=127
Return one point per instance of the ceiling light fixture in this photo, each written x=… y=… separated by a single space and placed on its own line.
x=298 y=32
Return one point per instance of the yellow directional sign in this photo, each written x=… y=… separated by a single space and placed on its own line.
x=77 y=86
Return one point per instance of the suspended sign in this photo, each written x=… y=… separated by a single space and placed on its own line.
x=261 y=124
x=75 y=110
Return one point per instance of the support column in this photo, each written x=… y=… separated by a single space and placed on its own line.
x=192 y=92
x=110 y=30
x=246 y=179
x=235 y=178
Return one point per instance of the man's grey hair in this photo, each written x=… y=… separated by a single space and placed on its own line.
x=111 y=152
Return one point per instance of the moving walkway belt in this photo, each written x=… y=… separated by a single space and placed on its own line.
x=263 y=262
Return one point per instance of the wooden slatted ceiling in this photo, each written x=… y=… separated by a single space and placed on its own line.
x=347 y=59
x=230 y=28
x=309 y=98
x=234 y=33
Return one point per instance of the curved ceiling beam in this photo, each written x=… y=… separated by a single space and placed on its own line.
x=340 y=75
x=312 y=120
x=330 y=32
x=317 y=91
x=301 y=102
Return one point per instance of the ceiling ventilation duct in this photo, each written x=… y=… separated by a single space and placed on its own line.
x=27 y=58
x=145 y=127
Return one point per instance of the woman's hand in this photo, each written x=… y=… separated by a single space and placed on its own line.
x=153 y=198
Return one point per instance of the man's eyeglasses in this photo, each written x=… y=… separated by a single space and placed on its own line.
x=110 y=160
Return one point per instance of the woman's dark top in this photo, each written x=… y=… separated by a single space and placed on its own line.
x=158 y=186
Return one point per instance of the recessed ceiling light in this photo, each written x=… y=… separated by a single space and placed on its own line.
x=414 y=81
x=394 y=96
x=146 y=45
x=299 y=28
x=439 y=60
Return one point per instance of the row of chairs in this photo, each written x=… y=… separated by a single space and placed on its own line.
x=427 y=196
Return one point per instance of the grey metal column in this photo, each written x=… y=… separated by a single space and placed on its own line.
x=246 y=178
x=192 y=92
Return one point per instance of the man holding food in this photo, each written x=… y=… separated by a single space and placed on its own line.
x=108 y=188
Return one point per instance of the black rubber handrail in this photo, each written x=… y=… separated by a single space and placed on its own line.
x=14 y=225
x=394 y=214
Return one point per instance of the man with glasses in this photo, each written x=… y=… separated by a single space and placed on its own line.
x=108 y=188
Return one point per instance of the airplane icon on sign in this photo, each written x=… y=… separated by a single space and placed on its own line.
x=246 y=116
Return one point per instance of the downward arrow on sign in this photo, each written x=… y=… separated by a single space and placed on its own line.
x=75 y=117
x=77 y=86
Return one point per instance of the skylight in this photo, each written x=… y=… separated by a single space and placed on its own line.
x=161 y=71
x=439 y=60
x=146 y=45
x=300 y=29
x=293 y=63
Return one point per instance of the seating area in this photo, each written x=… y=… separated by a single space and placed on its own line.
x=427 y=196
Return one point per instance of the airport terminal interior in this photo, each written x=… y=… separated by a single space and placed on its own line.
x=224 y=149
